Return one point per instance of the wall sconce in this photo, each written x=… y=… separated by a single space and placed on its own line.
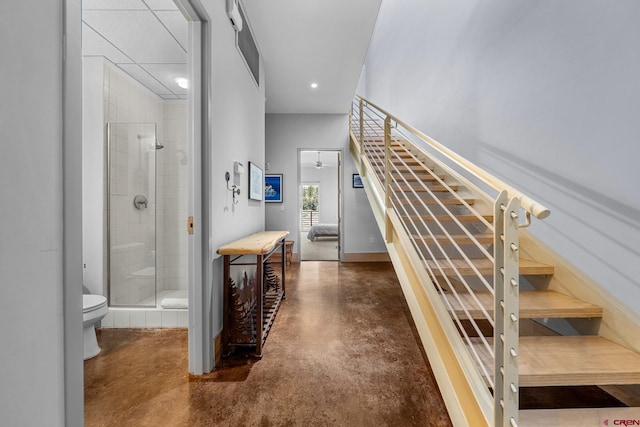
x=234 y=188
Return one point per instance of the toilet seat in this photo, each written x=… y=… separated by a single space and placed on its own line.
x=92 y=302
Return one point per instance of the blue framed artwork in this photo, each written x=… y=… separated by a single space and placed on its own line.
x=356 y=181
x=273 y=188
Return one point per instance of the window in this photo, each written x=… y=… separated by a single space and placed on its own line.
x=309 y=214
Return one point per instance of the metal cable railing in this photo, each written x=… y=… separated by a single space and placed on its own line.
x=466 y=240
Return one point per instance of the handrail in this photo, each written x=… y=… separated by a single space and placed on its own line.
x=417 y=194
x=537 y=209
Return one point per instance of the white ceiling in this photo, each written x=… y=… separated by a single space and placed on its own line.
x=147 y=39
x=308 y=159
x=301 y=41
x=304 y=41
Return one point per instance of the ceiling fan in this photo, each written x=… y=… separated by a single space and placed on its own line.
x=319 y=163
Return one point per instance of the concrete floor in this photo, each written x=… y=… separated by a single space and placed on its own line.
x=343 y=352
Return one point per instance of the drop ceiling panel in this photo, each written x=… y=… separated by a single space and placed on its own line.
x=166 y=74
x=161 y=4
x=138 y=34
x=176 y=24
x=93 y=44
x=113 y=5
x=135 y=71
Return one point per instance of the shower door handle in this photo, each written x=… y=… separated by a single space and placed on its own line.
x=140 y=202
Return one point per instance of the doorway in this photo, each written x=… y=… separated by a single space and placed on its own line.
x=142 y=78
x=319 y=205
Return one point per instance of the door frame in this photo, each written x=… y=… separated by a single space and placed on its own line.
x=340 y=168
x=201 y=352
x=200 y=344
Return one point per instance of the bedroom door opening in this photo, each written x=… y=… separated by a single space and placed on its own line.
x=319 y=205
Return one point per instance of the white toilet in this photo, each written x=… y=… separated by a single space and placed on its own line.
x=94 y=308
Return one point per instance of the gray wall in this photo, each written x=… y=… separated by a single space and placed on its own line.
x=40 y=194
x=237 y=134
x=542 y=94
x=40 y=230
x=285 y=135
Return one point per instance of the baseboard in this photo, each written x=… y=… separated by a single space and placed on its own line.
x=367 y=257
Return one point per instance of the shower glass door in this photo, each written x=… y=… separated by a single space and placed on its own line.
x=131 y=214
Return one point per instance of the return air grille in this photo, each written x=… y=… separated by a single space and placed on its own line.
x=248 y=48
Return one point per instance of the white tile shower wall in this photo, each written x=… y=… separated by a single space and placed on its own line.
x=125 y=101
x=172 y=178
x=132 y=172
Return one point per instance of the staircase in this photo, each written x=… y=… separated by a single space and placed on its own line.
x=458 y=240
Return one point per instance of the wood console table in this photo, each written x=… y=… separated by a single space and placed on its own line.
x=249 y=308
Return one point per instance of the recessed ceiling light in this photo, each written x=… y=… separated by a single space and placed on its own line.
x=314 y=85
x=182 y=82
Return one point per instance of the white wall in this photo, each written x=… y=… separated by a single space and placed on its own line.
x=93 y=177
x=237 y=133
x=33 y=243
x=285 y=135
x=542 y=94
x=172 y=196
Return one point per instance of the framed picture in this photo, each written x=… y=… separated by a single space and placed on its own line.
x=356 y=181
x=255 y=182
x=273 y=188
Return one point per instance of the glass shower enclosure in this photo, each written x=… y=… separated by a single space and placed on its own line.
x=131 y=214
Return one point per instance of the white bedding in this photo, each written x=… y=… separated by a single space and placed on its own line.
x=322 y=230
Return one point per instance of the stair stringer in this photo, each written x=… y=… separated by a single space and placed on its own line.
x=463 y=389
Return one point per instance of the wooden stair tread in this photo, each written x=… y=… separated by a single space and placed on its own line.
x=421 y=167
x=416 y=167
x=485 y=266
x=409 y=163
x=575 y=417
x=447 y=218
x=419 y=177
x=533 y=304
x=396 y=152
x=420 y=189
x=431 y=201
x=576 y=360
x=458 y=238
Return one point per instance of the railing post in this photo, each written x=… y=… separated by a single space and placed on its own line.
x=361 y=117
x=351 y=117
x=387 y=177
x=506 y=312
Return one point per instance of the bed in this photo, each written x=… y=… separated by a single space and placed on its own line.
x=322 y=230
